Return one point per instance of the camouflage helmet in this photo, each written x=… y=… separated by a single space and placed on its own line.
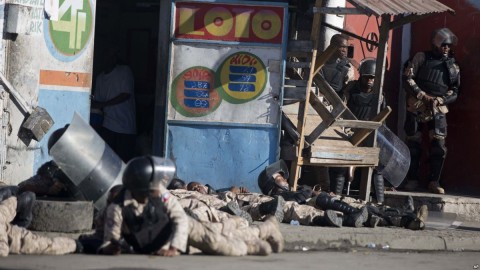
x=147 y=172
x=443 y=36
x=367 y=67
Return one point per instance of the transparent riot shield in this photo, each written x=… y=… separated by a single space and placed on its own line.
x=394 y=158
x=91 y=165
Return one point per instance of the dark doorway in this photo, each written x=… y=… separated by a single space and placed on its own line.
x=132 y=26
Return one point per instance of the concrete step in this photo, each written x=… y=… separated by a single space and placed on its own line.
x=467 y=208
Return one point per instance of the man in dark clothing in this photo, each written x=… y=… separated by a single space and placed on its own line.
x=431 y=80
x=362 y=101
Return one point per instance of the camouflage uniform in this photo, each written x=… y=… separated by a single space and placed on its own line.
x=204 y=212
x=304 y=214
x=18 y=240
x=228 y=237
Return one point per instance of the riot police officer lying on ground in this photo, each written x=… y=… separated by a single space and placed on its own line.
x=356 y=213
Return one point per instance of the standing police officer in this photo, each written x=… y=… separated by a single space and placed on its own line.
x=338 y=70
x=432 y=81
x=362 y=101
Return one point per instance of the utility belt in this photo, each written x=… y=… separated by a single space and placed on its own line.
x=429 y=112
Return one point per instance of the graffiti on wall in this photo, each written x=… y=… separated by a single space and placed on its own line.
x=68 y=37
x=30 y=15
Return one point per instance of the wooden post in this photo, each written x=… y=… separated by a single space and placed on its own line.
x=298 y=162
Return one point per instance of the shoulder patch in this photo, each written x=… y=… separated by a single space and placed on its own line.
x=165 y=196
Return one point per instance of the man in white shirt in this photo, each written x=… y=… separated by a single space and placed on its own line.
x=114 y=94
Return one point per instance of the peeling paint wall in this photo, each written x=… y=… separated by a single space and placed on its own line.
x=50 y=63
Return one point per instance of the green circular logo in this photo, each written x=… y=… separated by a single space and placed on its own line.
x=70 y=34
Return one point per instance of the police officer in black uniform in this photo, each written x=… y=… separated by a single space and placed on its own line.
x=338 y=70
x=273 y=181
x=362 y=101
x=432 y=81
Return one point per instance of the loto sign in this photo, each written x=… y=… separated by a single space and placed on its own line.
x=229 y=22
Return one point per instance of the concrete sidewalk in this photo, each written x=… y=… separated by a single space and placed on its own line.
x=466 y=237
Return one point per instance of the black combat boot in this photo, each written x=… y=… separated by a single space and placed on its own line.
x=378 y=183
x=7 y=191
x=353 y=217
x=338 y=177
x=234 y=209
x=273 y=208
x=329 y=219
x=25 y=203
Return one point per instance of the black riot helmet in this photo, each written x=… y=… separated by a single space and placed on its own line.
x=443 y=36
x=266 y=182
x=147 y=172
x=55 y=136
x=367 y=67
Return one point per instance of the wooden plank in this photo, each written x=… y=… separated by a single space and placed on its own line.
x=299 y=54
x=318 y=106
x=298 y=64
x=288 y=152
x=321 y=59
x=296 y=82
x=344 y=153
x=357 y=124
x=360 y=135
x=289 y=127
x=365 y=156
x=332 y=116
x=328 y=92
x=294 y=93
x=300 y=46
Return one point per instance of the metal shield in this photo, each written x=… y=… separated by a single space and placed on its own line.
x=88 y=161
x=394 y=157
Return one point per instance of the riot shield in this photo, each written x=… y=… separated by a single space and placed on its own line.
x=90 y=164
x=394 y=157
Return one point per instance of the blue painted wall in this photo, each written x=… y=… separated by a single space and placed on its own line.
x=60 y=105
x=220 y=155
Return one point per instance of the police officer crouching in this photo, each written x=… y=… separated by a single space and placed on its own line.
x=149 y=219
x=138 y=214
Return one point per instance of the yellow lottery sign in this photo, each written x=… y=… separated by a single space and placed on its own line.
x=241 y=77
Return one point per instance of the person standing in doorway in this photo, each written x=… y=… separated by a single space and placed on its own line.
x=114 y=95
x=432 y=81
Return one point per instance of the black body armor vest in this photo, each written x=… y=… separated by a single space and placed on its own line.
x=362 y=104
x=335 y=73
x=149 y=231
x=436 y=75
